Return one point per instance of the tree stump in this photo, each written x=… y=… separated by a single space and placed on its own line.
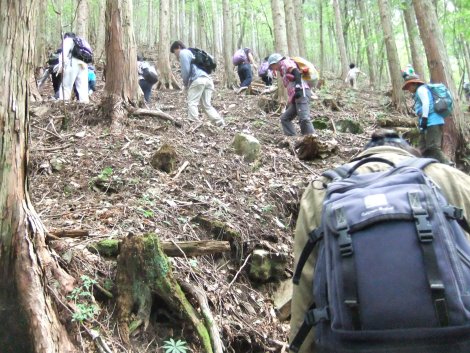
x=144 y=270
x=311 y=147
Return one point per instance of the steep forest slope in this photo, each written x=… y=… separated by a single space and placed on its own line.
x=100 y=180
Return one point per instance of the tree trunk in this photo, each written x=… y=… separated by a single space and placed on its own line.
x=411 y=28
x=455 y=130
x=322 y=46
x=81 y=27
x=299 y=20
x=150 y=39
x=183 y=25
x=99 y=45
x=291 y=28
x=398 y=98
x=280 y=42
x=121 y=57
x=370 y=46
x=29 y=319
x=340 y=40
x=229 y=77
x=166 y=78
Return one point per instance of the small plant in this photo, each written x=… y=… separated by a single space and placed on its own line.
x=105 y=173
x=267 y=208
x=83 y=298
x=172 y=346
x=147 y=213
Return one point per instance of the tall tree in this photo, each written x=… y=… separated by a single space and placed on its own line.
x=291 y=28
x=322 y=46
x=455 y=130
x=28 y=274
x=229 y=77
x=369 y=45
x=100 y=35
x=398 y=98
x=340 y=40
x=121 y=57
x=412 y=29
x=279 y=21
x=166 y=78
x=81 y=27
x=299 y=20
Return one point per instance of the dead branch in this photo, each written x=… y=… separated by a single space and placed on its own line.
x=70 y=233
x=155 y=114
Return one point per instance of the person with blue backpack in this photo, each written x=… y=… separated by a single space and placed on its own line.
x=147 y=77
x=431 y=117
x=243 y=59
x=382 y=256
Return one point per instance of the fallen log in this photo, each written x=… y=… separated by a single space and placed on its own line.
x=70 y=233
x=110 y=247
x=400 y=121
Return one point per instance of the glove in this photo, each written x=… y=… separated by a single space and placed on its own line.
x=423 y=124
x=298 y=91
x=57 y=68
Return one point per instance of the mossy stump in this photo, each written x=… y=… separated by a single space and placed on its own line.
x=164 y=159
x=143 y=270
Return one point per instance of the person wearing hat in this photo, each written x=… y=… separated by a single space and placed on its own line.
x=430 y=123
x=385 y=144
x=298 y=92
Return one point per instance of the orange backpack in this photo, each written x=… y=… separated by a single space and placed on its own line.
x=306 y=68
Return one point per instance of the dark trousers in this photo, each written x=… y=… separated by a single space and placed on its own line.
x=146 y=88
x=56 y=81
x=268 y=81
x=245 y=74
x=430 y=143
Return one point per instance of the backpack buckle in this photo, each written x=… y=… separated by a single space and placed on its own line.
x=423 y=228
x=453 y=212
x=313 y=317
x=345 y=243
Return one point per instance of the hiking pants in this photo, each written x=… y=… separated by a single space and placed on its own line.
x=430 y=143
x=301 y=108
x=75 y=71
x=146 y=88
x=245 y=74
x=201 y=90
x=56 y=81
x=268 y=81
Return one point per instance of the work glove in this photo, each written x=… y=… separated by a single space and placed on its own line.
x=57 y=68
x=299 y=92
x=423 y=124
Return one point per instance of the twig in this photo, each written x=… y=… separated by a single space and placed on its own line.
x=180 y=170
x=53 y=148
x=156 y=114
x=239 y=270
x=49 y=132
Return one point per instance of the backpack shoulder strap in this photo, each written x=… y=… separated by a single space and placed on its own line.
x=416 y=162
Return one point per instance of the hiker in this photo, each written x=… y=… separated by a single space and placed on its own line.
x=198 y=83
x=75 y=71
x=409 y=72
x=55 y=77
x=430 y=123
x=243 y=59
x=265 y=73
x=454 y=184
x=466 y=89
x=352 y=75
x=91 y=79
x=298 y=92
x=147 y=77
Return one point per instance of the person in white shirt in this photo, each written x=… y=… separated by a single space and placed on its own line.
x=74 y=71
x=352 y=75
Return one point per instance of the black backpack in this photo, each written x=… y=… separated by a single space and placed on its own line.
x=149 y=75
x=203 y=60
x=82 y=50
x=393 y=268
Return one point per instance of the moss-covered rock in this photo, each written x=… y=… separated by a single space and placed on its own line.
x=266 y=266
x=321 y=123
x=105 y=247
x=247 y=146
x=348 y=125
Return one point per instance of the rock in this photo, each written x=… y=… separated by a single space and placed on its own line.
x=282 y=298
x=350 y=126
x=164 y=159
x=247 y=146
x=322 y=123
x=266 y=266
x=57 y=164
x=311 y=147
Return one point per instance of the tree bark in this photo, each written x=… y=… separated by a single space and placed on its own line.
x=280 y=42
x=322 y=46
x=166 y=78
x=229 y=77
x=340 y=40
x=455 y=130
x=299 y=20
x=369 y=46
x=81 y=28
x=121 y=57
x=398 y=98
x=412 y=29
x=291 y=28
x=100 y=33
x=29 y=319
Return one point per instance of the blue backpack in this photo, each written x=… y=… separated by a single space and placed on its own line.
x=393 y=265
x=443 y=101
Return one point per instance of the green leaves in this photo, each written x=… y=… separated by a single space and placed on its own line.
x=172 y=346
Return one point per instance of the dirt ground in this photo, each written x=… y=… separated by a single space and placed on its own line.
x=94 y=178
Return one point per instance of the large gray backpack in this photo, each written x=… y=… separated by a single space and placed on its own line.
x=393 y=266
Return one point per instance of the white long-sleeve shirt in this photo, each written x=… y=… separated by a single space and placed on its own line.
x=423 y=95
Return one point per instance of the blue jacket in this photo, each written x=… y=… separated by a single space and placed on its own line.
x=189 y=72
x=433 y=117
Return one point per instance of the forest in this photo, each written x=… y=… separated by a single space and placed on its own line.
x=127 y=227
